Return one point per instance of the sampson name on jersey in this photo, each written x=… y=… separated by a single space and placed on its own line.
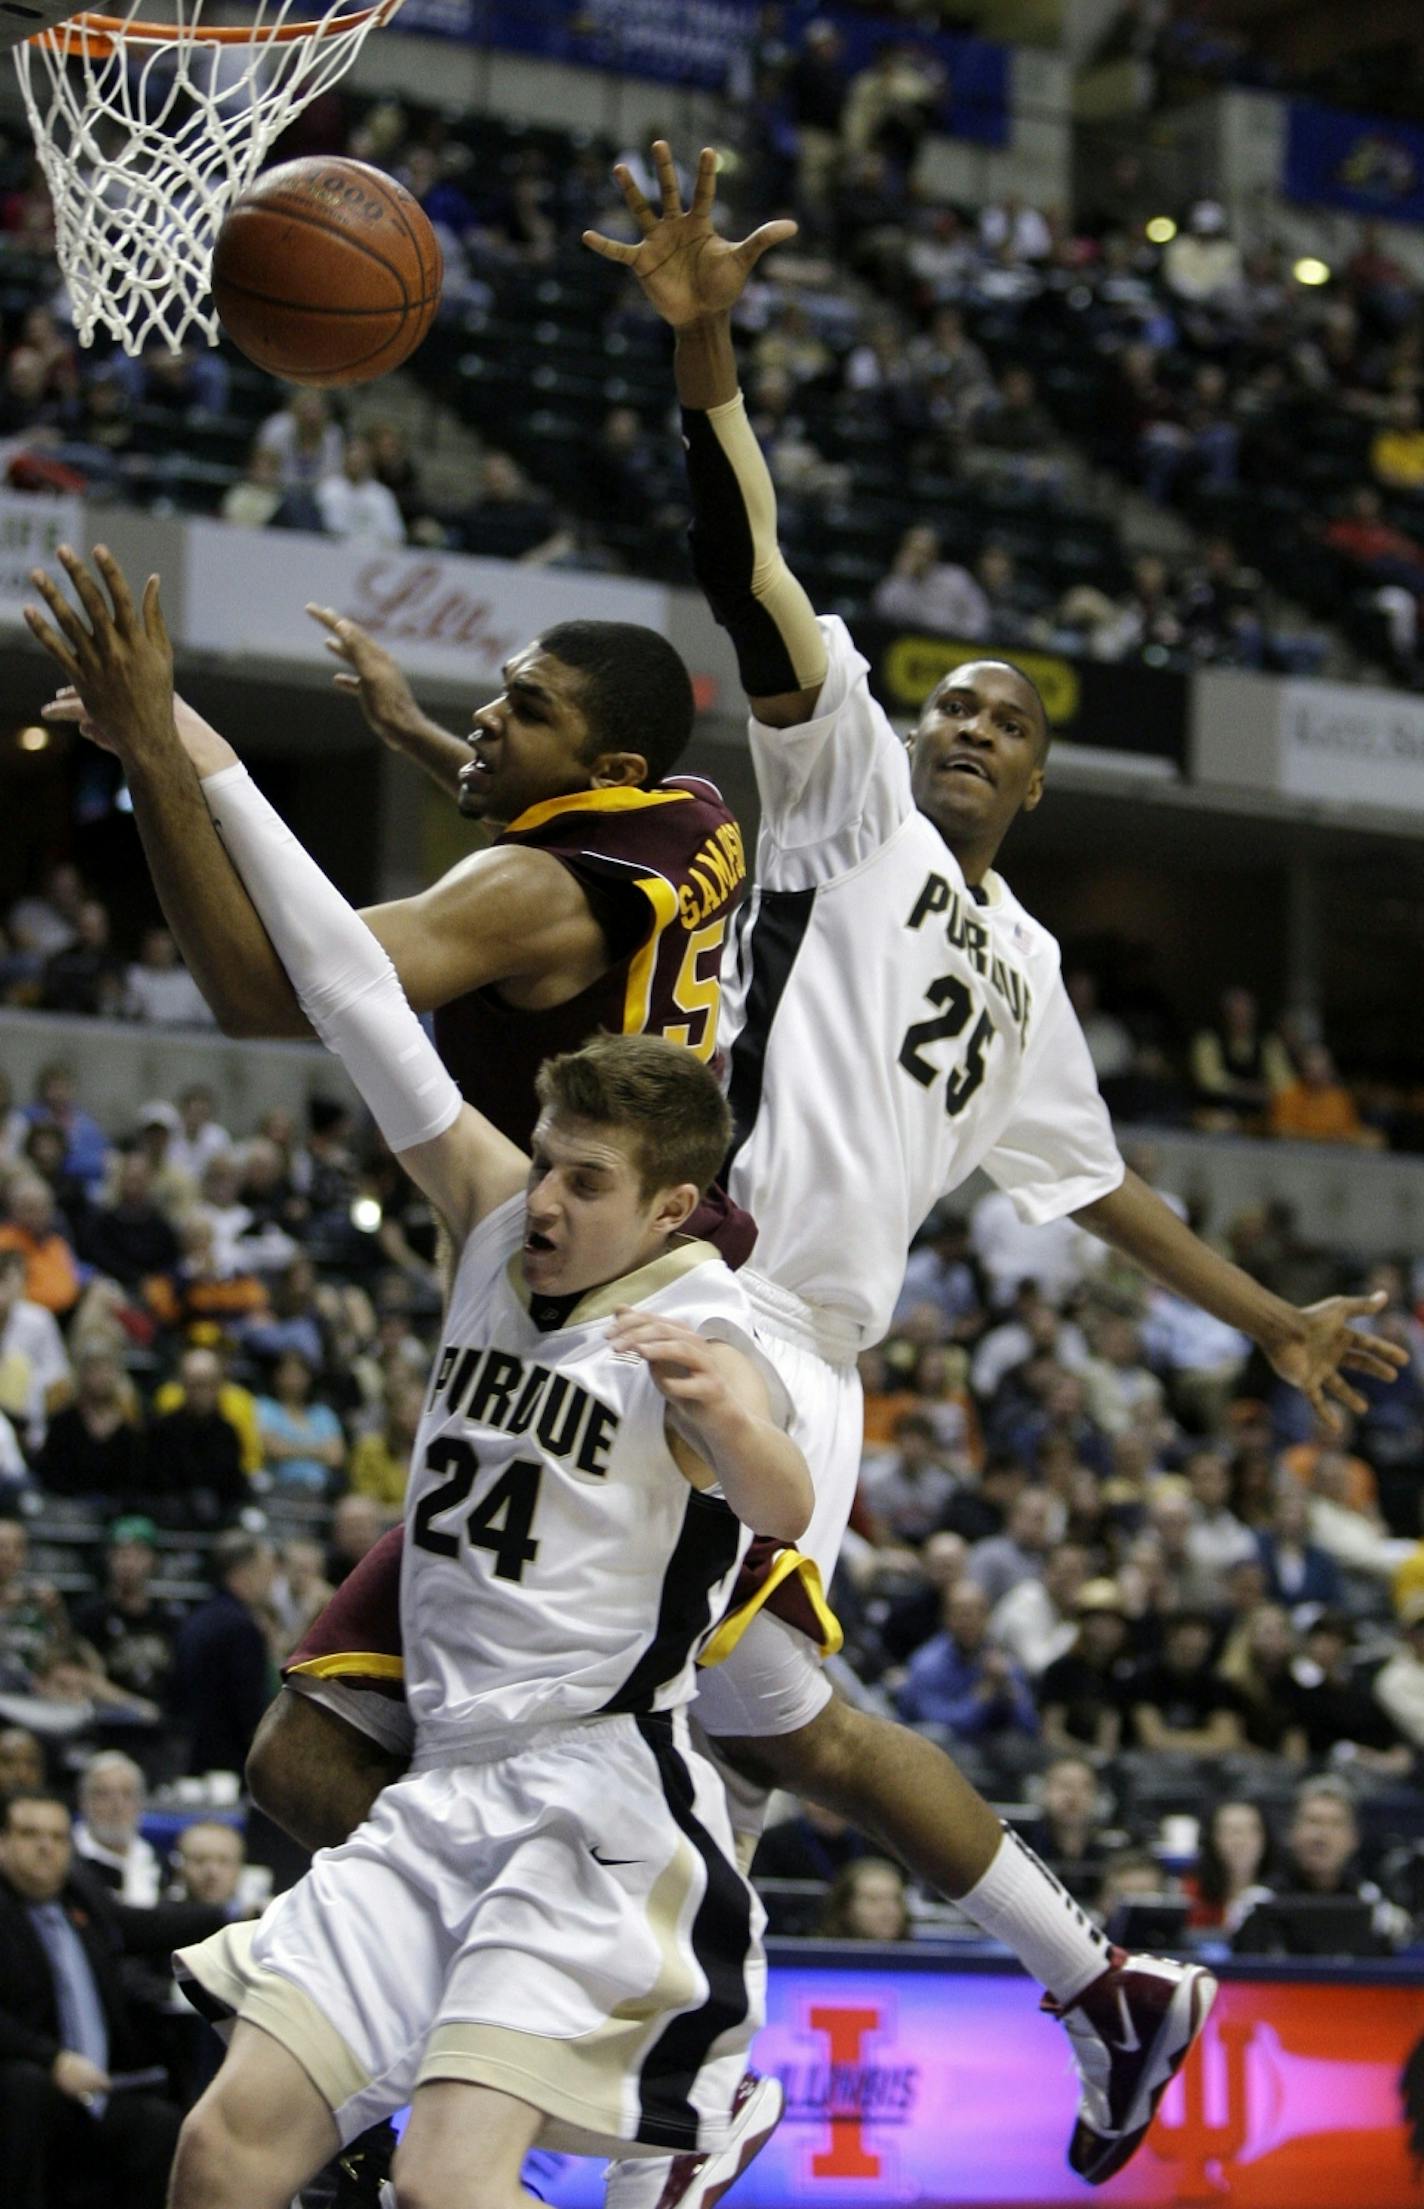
x=878 y=1065
x=557 y=1563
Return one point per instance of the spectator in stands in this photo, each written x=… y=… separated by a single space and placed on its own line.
x=201 y=1136
x=1033 y=1329
x=1009 y=229
x=112 y=1794
x=1132 y=1875
x=1179 y=1705
x=95 y=1446
x=1202 y=264
x=923 y=592
x=35 y=1375
x=357 y=1524
x=1258 y=1661
x=394 y=466
x=1238 y=1068
x=129 y=1237
x=1321 y=1859
x=22 y=1761
x=943 y=1275
x=959 y=1681
x=380 y=1460
x=302 y=1442
x=209 y=1860
x=300 y=1588
x=1021 y=1551
x=1109 y=1041
x=48 y=919
x=34 y=1625
x=1399 y=1684
x=812 y=1844
x=66 y=2027
x=1317 y=1107
x=130 y=1630
x=307 y=442
x=890 y=106
x=1221 y=607
x=1337 y=1709
x=511 y=518
x=51 y=1269
x=87 y=976
x=907 y=1607
x=86 y=1148
x=1014 y=602
x=223 y=1677
x=1397 y=452
x=1072 y=1840
x=1036 y=1622
x=353 y=503
x=237 y=1404
x=1011 y=1251
x=1217 y=1539
x=1083 y=1696
x=905 y=1489
x=1234 y=1869
x=159 y=989
x=191 y=381
x=816 y=85
x=867 y=1902
x=194 y=1455
x=1298 y=1571
x=154 y=1131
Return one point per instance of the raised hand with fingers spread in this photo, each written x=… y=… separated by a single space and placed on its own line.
x=115 y=655
x=686 y=270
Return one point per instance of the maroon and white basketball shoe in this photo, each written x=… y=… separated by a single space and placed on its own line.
x=1132 y=2031
x=699 y=2181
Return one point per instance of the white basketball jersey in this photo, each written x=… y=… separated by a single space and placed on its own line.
x=888 y=1032
x=557 y=1562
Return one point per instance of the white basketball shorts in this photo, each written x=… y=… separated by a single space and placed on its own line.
x=563 y=1923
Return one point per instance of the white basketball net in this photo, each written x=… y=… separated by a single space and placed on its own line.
x=147 y=133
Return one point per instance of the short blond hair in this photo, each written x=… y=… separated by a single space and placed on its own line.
x=656 y=1092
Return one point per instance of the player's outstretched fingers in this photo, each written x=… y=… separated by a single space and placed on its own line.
x=72 y=628
x=117 y=584
x=667 y=177
x=633 y=199
x=704 y=190
x=91 y=598
x=610 y=249
x=1372 y=1354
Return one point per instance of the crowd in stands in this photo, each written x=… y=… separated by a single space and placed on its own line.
x=1098 y=1550
x=952 y=398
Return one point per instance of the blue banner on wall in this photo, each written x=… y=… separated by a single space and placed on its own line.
x=1354 y=161
x=695 y=43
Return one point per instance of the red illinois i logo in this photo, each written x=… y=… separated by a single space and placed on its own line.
x=846 y=2032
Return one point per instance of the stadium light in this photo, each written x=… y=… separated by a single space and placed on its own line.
x=1161 y=230
x=1310 y=270
x=33 y=739
x=366 y=1215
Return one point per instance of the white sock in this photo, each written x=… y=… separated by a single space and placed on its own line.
x=1020 y=1903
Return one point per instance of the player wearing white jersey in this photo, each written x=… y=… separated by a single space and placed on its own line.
x=541 y=1932
x=899 y=1020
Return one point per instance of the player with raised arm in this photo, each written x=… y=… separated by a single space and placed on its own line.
x=897 y=1020
x=540 y=1932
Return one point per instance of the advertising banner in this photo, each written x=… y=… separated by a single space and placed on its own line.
x=442 y=614
x=31 y=530
x=1124 y=708
x=1345 y=742
x=945 y=2087
x=1358 y=162
x=694 y=43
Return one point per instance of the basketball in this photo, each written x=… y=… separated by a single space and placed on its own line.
x=326 y=272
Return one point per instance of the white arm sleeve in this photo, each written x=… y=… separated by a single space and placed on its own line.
x=832 y=789
x=1058 y=1152
x=347 y=986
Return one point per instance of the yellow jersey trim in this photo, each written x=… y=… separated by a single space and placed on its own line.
x=594 y=801
x=371 y=1664
x=731 y=1629
x=638 y=997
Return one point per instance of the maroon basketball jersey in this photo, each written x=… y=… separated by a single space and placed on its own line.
x=664 y=870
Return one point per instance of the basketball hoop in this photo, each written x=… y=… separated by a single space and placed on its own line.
x=147 y=133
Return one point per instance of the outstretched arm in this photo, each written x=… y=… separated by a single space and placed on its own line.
x=694 y=278
x=503 y=916
x=343 y=978
x=1311 y=1347
x=371 y=676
